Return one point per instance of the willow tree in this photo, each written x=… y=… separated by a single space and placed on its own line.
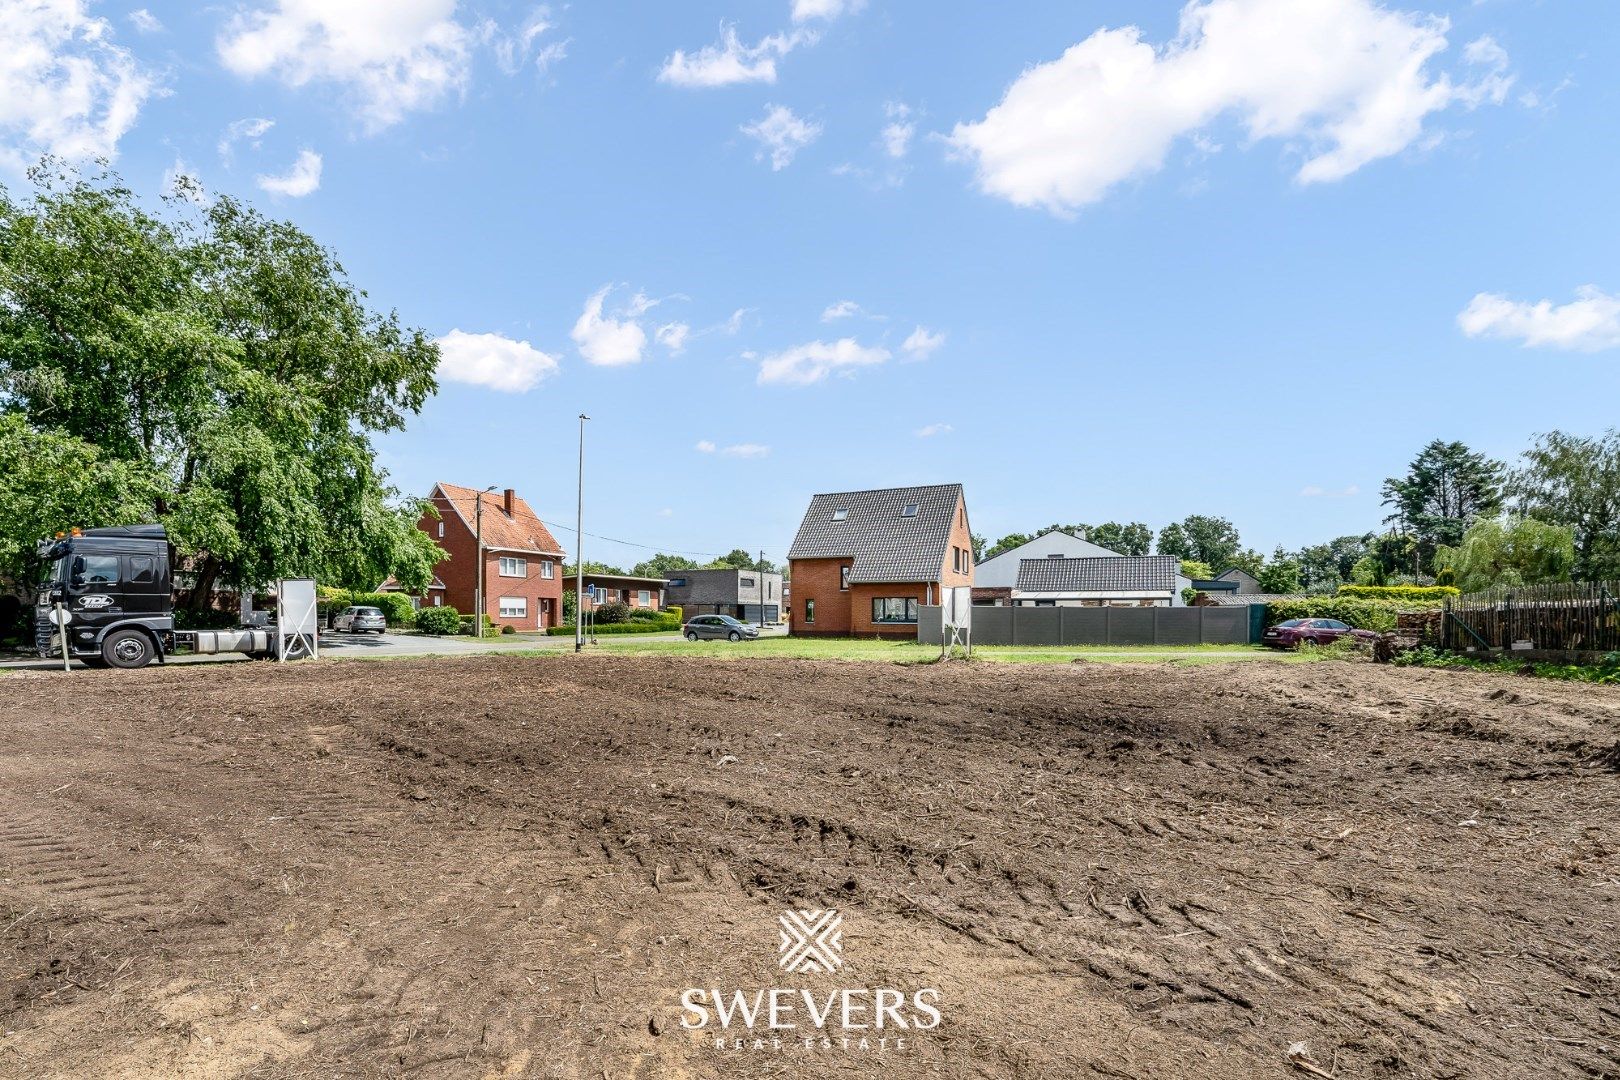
x=228 y=357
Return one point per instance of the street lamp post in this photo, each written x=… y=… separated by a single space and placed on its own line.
x=579 y=546
x=478 y=590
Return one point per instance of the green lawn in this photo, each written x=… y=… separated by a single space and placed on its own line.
x=907 y=652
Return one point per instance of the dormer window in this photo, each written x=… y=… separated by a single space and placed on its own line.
x=841 y=514
x=908 y=510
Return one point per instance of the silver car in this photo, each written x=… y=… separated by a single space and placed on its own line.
x=719 y=626
x=360 y=620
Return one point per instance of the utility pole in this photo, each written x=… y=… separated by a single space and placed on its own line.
x=762 y=588
x=478 y=590
x=579 y=546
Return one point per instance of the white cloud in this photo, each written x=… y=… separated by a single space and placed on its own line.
x=1588 y=323
x=899 y=130
x=672 y=336
x=516 y=50
x=145 y=21
x=704 y=446
x=1346 y=80
x=815 y=360
x=934 y=429
x=303 y=178
x=746 y=450
x=609 y=340
x=729 y=62
x=921 y=343
x=1314 y=491
x=666 y=512
x=251 y=128
x=841 y=310
x=781 y=135
x=493 y=361
x=805 y=10
x=65 y=87
x=733 y=325
x=394 y=58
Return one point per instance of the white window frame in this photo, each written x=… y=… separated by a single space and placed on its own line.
x=441 y=530
x=514 y=607
x=547 y=569
x=520 y=566
x=644 y=597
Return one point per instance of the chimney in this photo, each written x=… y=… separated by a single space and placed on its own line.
x=511 y=497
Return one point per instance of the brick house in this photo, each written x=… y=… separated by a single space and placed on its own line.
x=637 y=592
x=522 y=560
x=864 y=561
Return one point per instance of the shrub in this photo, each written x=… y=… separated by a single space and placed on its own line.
x=615 y=611
x=642 y=614
x=1399 y=592
x=1363 y=614
x=634 y=627
x=508 y=628
x=489 y=626
x=676 y=614
x=396 y=607
x=438 y=621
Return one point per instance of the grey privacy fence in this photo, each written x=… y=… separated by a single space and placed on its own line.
x=1571 y=617
x=1098 y=626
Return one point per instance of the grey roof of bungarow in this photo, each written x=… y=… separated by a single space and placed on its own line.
x=884 y=545
x=1115 y=574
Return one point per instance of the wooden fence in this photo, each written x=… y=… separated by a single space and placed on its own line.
x=1580 y=617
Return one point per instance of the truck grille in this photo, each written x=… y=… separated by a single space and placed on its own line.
x=45 y=640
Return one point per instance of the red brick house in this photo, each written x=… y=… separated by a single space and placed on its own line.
x=638 y=592
x=523 y=576
x=864 y=561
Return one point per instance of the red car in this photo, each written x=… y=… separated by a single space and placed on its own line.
x=1293 y=633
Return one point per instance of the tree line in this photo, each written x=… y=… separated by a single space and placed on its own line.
x=1455 y=516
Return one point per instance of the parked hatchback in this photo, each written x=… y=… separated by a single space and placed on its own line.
x=1292 y=633
x=718 y=626
x=360 y=620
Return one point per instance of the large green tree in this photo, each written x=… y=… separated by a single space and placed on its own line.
x=1575 y=481
x=1133 y=538
x=661 y=565
x=1445 y=488
x=1509 y=551
x=1212 y=540
x=229 y=357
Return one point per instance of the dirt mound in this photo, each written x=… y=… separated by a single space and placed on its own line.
x=505 y=867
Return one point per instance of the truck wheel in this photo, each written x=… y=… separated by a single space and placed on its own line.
x=127 y=649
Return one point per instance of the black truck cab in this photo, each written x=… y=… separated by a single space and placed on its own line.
x=115 y=587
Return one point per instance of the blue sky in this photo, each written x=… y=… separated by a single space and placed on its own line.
x=1243 y=259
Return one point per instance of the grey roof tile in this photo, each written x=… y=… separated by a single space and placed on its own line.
x=883 y=544
x=1099 y=574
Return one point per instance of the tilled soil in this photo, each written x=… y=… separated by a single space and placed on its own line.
x=516 y=867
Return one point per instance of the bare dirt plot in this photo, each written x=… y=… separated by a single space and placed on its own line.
x=515 y=867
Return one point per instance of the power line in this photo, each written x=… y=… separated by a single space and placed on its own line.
x=632 y=543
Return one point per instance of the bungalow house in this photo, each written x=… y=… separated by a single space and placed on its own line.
x=728 y=591
x=637 y=592
x=863 y=562
x=1107 y=581
x=522 y=560
x=995 y=577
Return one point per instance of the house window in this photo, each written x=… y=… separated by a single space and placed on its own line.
x=894 y=609
x=548 y=569
x=770 y=589
x=745 y=583
x=514 y=607
x=441 y=530
x=843 y=578
x=644 y=597
x=809 y=611
x=437 y=599
x=514 y=567
x=841 y=514
x=545 y=607
x=909 y=510
x=677 y=583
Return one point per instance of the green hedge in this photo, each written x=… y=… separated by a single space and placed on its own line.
x=439 y=621
x=1360 y=613
x=637 y=627
x=1399 y=592
x=396 y=607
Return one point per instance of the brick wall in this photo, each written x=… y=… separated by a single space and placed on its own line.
x=817 y=580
